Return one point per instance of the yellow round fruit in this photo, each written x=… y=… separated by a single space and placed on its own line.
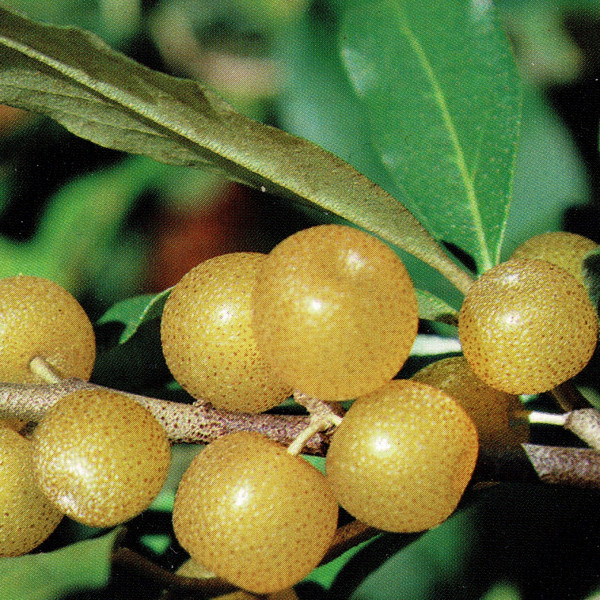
x=527 y=326
x=27 y=517
x=40 y=318
x=100 y=457
x=207 y=338
x=402 y=457
x=567 y=250
x=335 y=312
x=254 y=514
x=492 y=411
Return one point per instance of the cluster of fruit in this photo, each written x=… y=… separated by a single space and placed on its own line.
x=84 y=459
x=331 y=313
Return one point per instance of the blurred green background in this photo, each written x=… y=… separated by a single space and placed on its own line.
x=109 y=226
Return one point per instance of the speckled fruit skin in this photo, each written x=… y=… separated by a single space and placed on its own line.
x=207 y=338
x=335 y=312
x=100 y=457
x=27 y=517
x=254 y=514
x=561 y=248
x=402 y=457
x=492 y=411
x=527 y=326
x=40 y=318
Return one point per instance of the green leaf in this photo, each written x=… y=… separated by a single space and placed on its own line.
x=133 y=312
x=441 y=89
x=318 y=102
x=550 y=175
x=103 y=96
x=48 y=576
x=433 y=308
x=326 y=574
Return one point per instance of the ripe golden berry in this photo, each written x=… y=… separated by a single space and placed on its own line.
x=335 y=312
x=40 y=318
x=567 y=250
x=527 y=326
x=207 y=338
x=100 y=457
x=27 y=517
x=254 y=514
x=492 y=411
x=402 y=457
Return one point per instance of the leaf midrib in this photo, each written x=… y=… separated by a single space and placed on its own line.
x=448 y=121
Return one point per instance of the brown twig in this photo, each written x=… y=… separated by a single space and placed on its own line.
x=184 y=423
x=585 y=424
x=134 y=562
x=203 y=424
x=568 y=397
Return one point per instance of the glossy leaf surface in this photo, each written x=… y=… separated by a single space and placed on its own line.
x=441 y=90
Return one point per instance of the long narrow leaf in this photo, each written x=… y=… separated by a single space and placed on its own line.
x=101 y=95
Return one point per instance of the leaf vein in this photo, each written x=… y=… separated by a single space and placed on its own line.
x=448 y=121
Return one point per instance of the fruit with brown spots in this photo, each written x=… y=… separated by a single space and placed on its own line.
x=567 y=250
x=254 y=514
x=27 y=517
x=335 y=312
x=40 y=318
x=493 y=412
x=402 y=457
x=207 y=338
x=527 y=326
x=100 y=457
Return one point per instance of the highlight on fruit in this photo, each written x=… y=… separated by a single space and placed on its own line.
x=335 y=312
x=100 y=457
x=207 y=337
x=254 y=514
x=526 y=326
x=40 y=318
x=402 y=457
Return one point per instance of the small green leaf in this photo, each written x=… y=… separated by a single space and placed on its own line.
x=433 y=308
x=441 y=89
x=105 y=97
x=133 y=312
x=48 y=576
